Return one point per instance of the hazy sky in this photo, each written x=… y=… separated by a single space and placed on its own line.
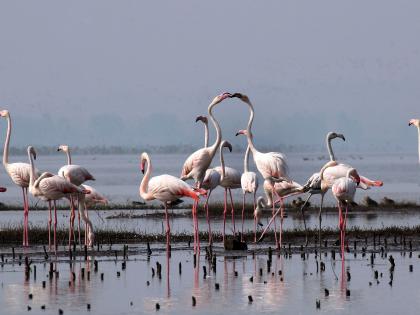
x=139 y=72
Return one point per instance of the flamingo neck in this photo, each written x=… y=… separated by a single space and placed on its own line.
x=222 y=163
x=249 y=135
x=218 y=131
x=418 y=130
x=145 y=181
x=68 y=156
x=32 y=172
x=329 y=146
x=6 y=143
x=206 y=134
x=246 y=159
x=327 y=165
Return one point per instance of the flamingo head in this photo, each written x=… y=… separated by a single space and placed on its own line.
x=333 y=135
x=220 y=98
x=202 y=119
x=355 y=175
x=242 y=132
x=415 y=122
x=63 y=147
x=241 y=96
x=31 y=151
x=4 y=113
x=143 y=160
x=226 y=144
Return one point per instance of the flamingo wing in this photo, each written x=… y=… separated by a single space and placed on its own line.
x=76 y=174
x=20 y=173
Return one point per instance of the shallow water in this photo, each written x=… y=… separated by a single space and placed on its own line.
x=183 y=223
x=294 y=292
x=118 y=176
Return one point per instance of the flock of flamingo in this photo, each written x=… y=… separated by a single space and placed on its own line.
x=342 y=179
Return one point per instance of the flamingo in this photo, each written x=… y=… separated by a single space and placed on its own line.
x=229 y=179
x=76 y=175
x=271 y=165
x=165 y=188
x=211 y=178
x=416 y=122
x=19 y=173
x=50 y=187
x=198 y=162
x=343 y=189
x=249 y=184
x=257 y=215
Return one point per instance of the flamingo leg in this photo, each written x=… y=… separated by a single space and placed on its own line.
x=281 y=222
x=274 y=217
x=49 y=224
x=340 y=224
x=302 y=211
x=243 y=210
x=78 y=225
x=344 y=229
x=224 y=215
x=320 y=221
x=87 y=230
x=206 y=206
x=27 y=216
x=233 y=211
x=196 y=226
x=255 y=218
x=24 y=217
x=71 y=221
x=168 y=228
x=55 y=227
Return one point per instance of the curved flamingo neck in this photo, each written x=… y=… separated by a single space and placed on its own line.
x=6 y=143
x=218 y=130
x=327 y=165
x=418 y=130
x=145 y=181
x=329 y=146
x=246 y=159
x=248 y=128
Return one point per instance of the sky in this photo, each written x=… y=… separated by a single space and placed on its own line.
x=133 y=73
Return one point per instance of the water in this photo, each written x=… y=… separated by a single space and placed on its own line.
x=182 y=222
x=118 y=176
x=294 y=292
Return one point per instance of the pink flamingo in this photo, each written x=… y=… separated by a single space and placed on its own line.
x=343 y=189
x=229 y=179
x=76 y=175
x=211 y=179
x=198 y=162
x=271 y=165
x=19 y=173
x=50 y=187
x=165 y=188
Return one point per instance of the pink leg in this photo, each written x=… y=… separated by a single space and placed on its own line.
x=71 y=221
x=255 y=219
x=49 y=224
x=27 y=217
x=196 y=227
x=224 y=215
x=274 y=219
x=168 y=228
x=243 y=210
x=206 y=206
x=281 y=222
x=78 y=225
x=55 y=227
x=233 y=211
x=24 y=217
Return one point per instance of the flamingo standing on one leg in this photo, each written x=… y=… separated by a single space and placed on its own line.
x=76 y=175
x=198 y=162
x=19 y=173
x=50 y=187
x=229 y=179
x=343 y=189
x=271 y=165
x=249 y=184
x=212 y=177
x=165 y=188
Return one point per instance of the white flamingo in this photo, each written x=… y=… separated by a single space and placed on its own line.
x=76 y=175
x=229 y=179
x=272 y=165
x=211 y=179
x=165 y=188
x=50 y=187
x=198 y=162
x=19 y=173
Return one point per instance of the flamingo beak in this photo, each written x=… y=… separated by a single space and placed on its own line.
x=3 y=189
x=341 y=136
x=142 y=167
x=410 y=123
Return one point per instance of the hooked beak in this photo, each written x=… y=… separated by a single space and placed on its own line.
x=410 y=123
x=238 y=95
x=237 y=134
x=341 y=136
x=58 y=149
